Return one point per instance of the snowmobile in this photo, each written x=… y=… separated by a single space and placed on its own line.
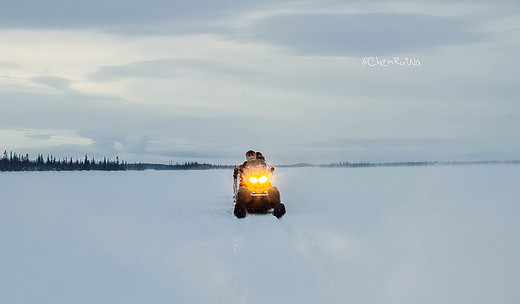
x=256 y=194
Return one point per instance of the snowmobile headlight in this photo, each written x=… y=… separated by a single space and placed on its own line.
x=261 y=179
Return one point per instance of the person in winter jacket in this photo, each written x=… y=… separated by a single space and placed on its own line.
x=250 y=161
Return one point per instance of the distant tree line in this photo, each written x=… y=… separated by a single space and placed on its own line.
x=15 y=162
x=346 y=164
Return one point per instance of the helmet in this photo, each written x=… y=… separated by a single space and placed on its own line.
x=259 y=156
x=250 y=155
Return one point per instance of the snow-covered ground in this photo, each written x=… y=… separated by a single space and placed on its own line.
x=368 y=235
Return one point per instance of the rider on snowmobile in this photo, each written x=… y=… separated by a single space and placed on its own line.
x=260 y=160
x=250 y=161
x=255 y=161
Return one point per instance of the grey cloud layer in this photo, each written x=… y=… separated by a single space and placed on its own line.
x=152 y=133
x=107 y=14
x=360 y=34
x=303 y=34
x=53 y=82
x=167 y=68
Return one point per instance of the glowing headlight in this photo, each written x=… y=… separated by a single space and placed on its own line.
x=260 y=180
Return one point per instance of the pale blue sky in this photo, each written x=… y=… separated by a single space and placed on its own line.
x=164 y=81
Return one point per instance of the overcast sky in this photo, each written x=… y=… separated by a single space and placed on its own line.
x=160 y=81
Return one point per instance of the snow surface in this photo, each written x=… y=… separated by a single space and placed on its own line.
x=367 y=235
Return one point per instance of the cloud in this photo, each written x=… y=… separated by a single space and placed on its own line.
x=40 y=138
x=359 y=34
x=53 y=82
x=121 y=15
x=9 y=65
x=166 y=68
x=80 y=14
x=159 y=133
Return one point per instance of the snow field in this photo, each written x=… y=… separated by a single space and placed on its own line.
x=366 y=235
